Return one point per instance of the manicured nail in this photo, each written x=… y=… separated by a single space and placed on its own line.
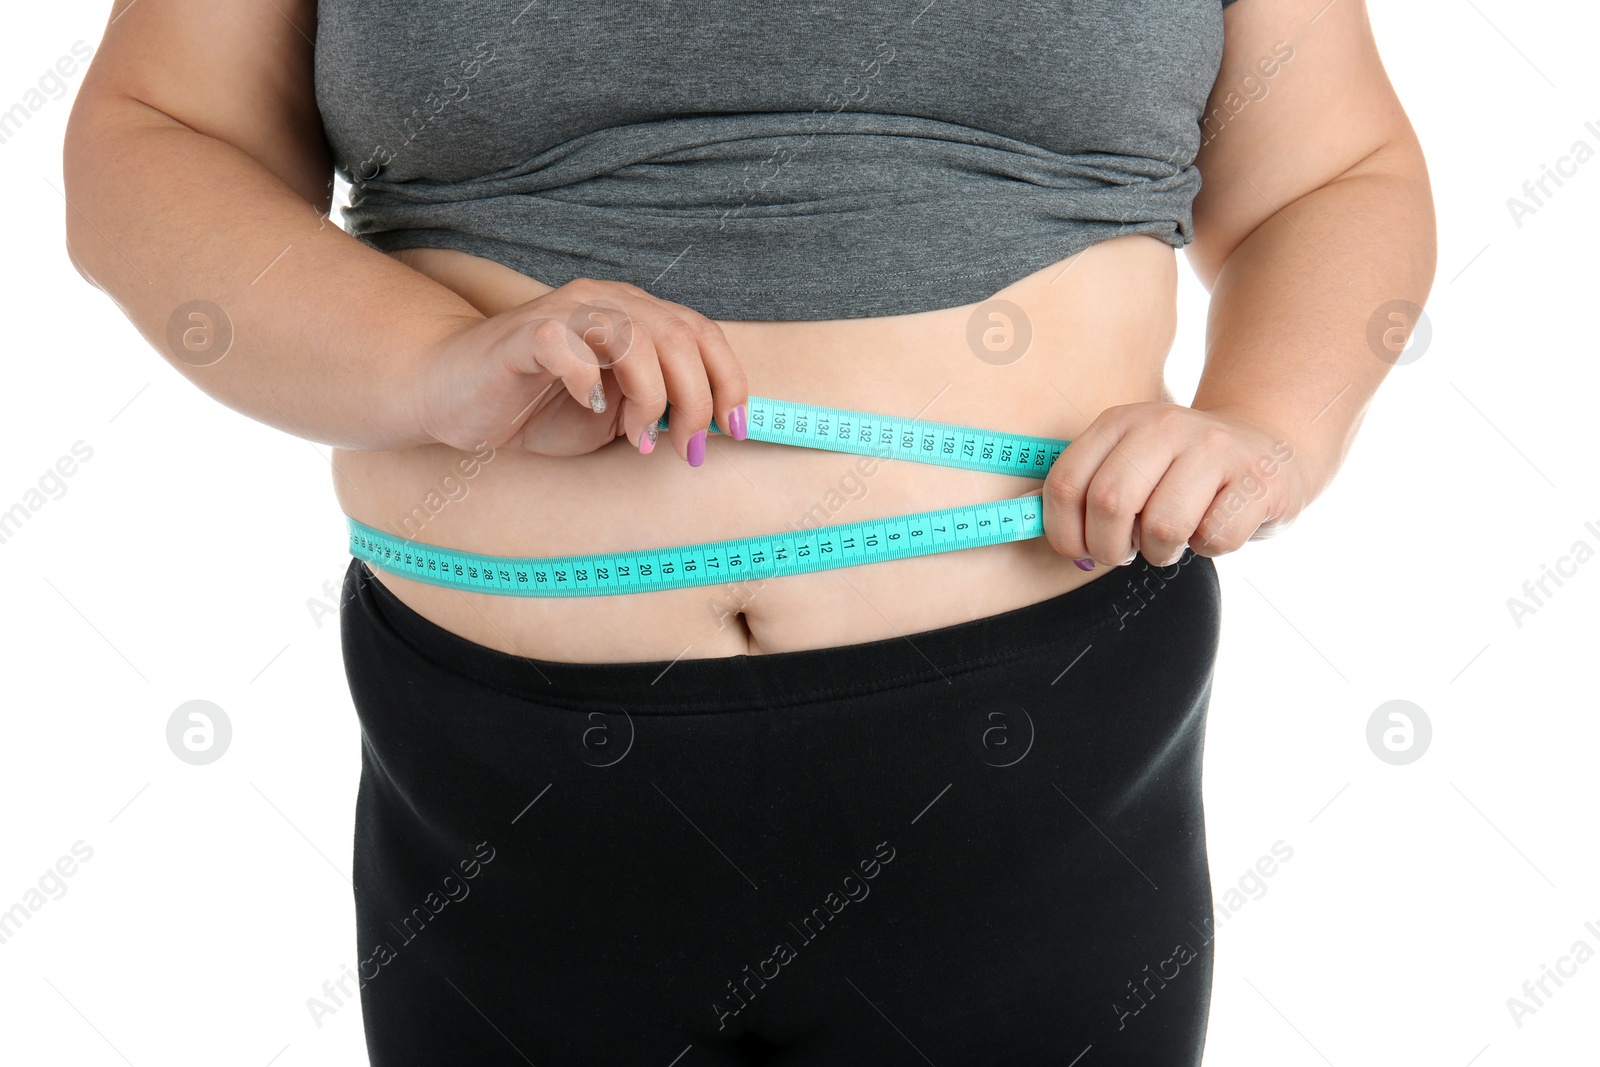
x=597 y=398
x=737 y=422
x=1084 y=564
x=647 y=440
x=697 y=449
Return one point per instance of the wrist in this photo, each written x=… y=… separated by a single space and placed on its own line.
x=416 y=388
x=1298 y=461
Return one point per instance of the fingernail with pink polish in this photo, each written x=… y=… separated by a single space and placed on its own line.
x=647 y=440
x=738 y=422
x=1084 y=564
x=697 y=449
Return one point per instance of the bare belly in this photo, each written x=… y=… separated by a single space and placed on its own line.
x=1101 y=324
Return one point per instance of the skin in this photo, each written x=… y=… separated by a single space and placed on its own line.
x=1315 y=211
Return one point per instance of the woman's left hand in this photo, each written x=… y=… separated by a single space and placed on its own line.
x=1150 y=478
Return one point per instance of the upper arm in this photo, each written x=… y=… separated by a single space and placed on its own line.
x=1301 y=99
x=240 y=72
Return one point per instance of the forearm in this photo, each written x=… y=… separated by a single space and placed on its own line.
x=1287 y=342
x=328 y=334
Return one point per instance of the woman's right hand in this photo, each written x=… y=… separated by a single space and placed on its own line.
x=525 y=378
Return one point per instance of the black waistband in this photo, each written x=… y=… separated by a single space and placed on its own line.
x=727 y=683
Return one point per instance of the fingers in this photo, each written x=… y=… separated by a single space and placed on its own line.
x=723 y=371
x=549 y=346
x=1096 y=488
x=1233 y=518
x=1118 y=493
x=1153 y=480
x=1176 y=508
x=634 y=359
x=688 y=388
x=663 y=353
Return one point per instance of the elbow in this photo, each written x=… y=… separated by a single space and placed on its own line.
x=84 y=272
x=77 y=264
x=77 y=159
x=1403 y=171
x=89 y=167
x=83 y=245
x=76 y=242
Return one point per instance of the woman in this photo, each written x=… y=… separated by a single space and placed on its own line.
x=937 y=809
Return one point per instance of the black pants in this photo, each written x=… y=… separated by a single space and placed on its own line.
x=977 y=845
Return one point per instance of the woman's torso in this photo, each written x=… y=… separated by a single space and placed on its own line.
x=832 y=165
x=1099 y=323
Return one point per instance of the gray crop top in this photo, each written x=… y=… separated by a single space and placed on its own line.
x=769 y=159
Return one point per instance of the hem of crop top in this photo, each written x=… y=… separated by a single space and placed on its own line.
x=898 y=292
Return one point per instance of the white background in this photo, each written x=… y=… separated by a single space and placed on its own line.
x=1418 y=898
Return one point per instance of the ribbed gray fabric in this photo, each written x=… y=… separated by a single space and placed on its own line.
x=769 y=160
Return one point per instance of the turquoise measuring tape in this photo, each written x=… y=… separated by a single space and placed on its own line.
x=770 y=555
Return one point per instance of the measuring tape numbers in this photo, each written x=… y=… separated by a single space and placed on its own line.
x=769 y=555
x=863 y=434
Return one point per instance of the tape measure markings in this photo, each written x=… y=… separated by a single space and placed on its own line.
x=768 y=555
x=712 y=562
x=864 y=434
